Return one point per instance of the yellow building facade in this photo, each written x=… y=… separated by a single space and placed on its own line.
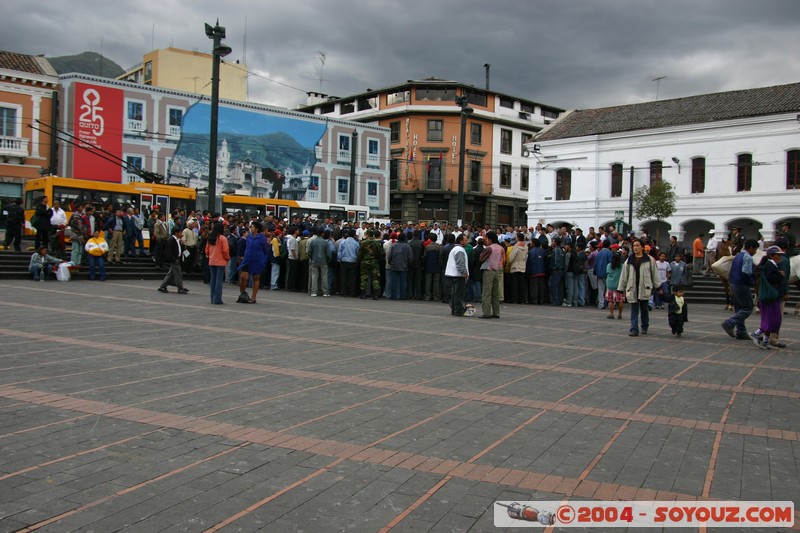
x=189 y=71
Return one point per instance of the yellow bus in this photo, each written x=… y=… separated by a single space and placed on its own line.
x=232 y=203
x=73 y=192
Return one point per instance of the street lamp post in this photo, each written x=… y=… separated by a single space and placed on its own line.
x=219 y=50
x=461 y=101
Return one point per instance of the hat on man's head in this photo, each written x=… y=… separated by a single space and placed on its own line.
x=786 y=223
x=614 y=247
x=774 y=250
x=737 y=228
x=711 y=232
x=305 y=233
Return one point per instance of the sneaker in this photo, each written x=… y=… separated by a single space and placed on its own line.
x=326 y=295
x=678 y=335
x=765 y=345
x=728 y=329
x=162 y=289
x=633 y=334
x=759 y=342
x=313 y=294
x=644 y=331
x=742 y=337
x=777 y=345
x=183 y=291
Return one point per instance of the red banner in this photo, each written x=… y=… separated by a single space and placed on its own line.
x=98 y=126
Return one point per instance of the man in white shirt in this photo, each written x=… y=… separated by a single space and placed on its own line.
x=711 y=251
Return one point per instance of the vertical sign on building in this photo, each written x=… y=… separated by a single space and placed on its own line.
x=98 y=126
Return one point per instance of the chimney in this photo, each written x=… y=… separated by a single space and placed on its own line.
x=487 y=66
x=314 y=98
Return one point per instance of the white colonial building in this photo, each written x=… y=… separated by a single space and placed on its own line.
x=732 y=158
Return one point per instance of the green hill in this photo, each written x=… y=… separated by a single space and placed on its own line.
x=86 y=63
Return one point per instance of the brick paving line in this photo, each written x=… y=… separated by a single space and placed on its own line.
x=43 y=426
x=127 y=490
x=788 y=394
x=422 y=499
x=712 y=462
x=567 y=344
x=156 y=418
x=511 y=477
x=403 y=351
x=404 y=387
x=74 y=455
x=590 y=467
x=364 y=453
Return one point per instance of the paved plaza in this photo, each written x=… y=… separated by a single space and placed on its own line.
x=124 y=408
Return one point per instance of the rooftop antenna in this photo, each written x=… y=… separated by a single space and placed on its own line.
x=153 y=37
x=487 y=66
x=658 y=83
x=322 y=57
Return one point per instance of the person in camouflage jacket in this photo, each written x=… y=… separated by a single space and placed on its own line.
x=369 y=257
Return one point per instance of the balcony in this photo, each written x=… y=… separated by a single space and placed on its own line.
x=13 y=146
x=173 y=132
x=135 y=126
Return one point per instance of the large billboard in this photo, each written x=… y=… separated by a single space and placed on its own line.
x=258 y=153
x=97 y=126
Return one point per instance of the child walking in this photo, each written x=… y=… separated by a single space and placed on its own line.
x=677 y=310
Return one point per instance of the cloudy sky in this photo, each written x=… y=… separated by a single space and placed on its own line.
x=566 y=53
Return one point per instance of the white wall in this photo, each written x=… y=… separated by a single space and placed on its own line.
x=767 y=138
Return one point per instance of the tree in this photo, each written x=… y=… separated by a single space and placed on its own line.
x=656 y=201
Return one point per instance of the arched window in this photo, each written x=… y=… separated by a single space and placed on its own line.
x=616 y=180
x=793 y=169
x=563 y=183
x=655 y=172
x=699 y=174
x=744 y=172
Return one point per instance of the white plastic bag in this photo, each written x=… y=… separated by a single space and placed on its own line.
x=62 y=274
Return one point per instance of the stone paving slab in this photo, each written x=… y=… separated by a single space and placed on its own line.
x=334 y=414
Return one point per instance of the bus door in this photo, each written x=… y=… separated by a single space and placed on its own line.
x=163 y=204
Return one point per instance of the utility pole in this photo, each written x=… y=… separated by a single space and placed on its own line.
x=461 y=101
x=219 y=50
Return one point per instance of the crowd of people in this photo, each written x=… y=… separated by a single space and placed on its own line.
x=541 y=265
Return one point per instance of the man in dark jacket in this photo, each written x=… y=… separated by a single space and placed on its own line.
x=400 y=258
x=415 y=271
x=15 y=219
x=42 y=226
x=173 y=249
x=536 y=270
x=742 y=279
x=433 y=271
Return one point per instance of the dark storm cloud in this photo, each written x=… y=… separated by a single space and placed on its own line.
x=563 y=53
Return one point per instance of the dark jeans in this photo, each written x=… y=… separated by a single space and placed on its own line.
x=99 y=263
x=556 y=288
x=537 y=294
x=458 y=292
x=217 y=277
x=399 y=284
x=519 y=289
x=742 y=306
x=348 y=272
x=415 y=277
x=640 y=307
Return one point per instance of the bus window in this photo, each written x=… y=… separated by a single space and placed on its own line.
x=362 y=216
x=69 y=198
x=187 y=204
x=32 y=198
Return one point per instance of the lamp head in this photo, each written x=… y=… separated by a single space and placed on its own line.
x=676 y=160
x=222 y=50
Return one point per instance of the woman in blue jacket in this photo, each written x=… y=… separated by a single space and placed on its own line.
x=253 y=263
